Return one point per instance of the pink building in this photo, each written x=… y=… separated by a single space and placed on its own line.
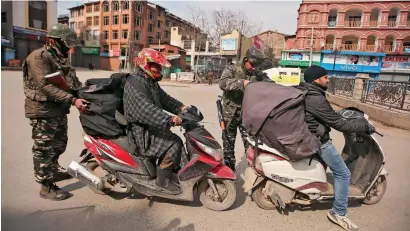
x=359 y=25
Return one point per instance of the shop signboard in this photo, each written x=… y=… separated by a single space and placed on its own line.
x=299 y=59
x=228 y=44
x=90 y=50
x=351 y=63
x=396 y=63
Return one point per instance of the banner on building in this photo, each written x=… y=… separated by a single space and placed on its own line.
x=396 y=63
x=228 y=44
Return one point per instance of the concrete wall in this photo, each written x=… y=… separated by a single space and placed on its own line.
x=385 y=116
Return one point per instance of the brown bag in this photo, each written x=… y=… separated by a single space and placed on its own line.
x=276 y=115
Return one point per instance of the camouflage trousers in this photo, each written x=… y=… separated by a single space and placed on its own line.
x=50 y=141
x=229 y=137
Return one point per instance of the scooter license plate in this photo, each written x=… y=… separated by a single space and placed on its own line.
x=249 y=177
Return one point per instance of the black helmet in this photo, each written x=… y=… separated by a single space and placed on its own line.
x=254 y=56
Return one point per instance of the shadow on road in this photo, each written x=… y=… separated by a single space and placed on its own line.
x=74 y=186
x=240 y=194
x=174 y=225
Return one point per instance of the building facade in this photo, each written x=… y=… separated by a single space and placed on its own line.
x=125 y=28
x=24 y=25
x=63 y=19
x=274 y=41
x=361 y=25
x=356 y=36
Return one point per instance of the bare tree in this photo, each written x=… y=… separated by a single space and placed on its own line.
x=198 y=18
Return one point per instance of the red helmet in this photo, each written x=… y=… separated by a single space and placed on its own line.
x=147 y=56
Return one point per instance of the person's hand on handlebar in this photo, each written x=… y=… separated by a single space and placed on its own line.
x=176 y=120
x=370 y=129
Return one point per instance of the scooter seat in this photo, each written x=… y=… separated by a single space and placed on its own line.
x=266 y=148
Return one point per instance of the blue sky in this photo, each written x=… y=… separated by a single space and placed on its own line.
x=274 y=15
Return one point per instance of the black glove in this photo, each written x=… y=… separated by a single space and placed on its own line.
x=370 y=129
x=261 y=76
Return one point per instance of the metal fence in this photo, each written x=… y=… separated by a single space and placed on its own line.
x=341 y=86
x=390 y=94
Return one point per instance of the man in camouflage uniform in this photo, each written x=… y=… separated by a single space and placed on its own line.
x=47 y=107
x=234 y=79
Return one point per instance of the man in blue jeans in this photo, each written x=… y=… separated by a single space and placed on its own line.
x=320 y=118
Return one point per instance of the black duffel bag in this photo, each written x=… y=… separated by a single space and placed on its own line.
x=105 y=96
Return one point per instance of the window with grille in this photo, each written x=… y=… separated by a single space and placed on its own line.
x=125 y=19
x=105 y=35
x=167 y=23
x=125 y=34
x=115 y=34
x=89 y=8
x=151 y=15
x=125 y=5
x=97 y=7
x=159 y=24
x=37 y=14
x=138 y=21
x=72 y=25
x=96 y=20
x=106 y=20
x=88 y=35
x=89 y=21
x=136 y=35
x=106 y=7
x=150 y=39
x=115 y=6
x=115 y=20
x=151 y=28
x=139 y=7
x=158 y=35
x=166 y=34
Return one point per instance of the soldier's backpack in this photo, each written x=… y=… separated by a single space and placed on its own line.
x=106 y=99
x=275 y=115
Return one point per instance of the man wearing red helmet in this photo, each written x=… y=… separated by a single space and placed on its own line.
x=144 y=106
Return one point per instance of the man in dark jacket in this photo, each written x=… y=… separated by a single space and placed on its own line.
x=144 y=103
x=320 y=118
x=47 y=107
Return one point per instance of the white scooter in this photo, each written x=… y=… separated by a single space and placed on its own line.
x=275 y=181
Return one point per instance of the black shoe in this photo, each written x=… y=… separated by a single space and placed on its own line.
x=165 y=183
x=53 y=192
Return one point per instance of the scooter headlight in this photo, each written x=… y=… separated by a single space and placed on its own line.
x=215 y=153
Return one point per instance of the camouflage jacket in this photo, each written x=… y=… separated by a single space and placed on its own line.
x=231 y=84
x=44 y=99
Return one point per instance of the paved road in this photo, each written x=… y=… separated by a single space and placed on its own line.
x=22 y=209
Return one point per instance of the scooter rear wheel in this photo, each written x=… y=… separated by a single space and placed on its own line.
x=261 y=200
x=377 y=191
x=226 y=189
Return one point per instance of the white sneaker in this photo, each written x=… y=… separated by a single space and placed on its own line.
x=343 y=221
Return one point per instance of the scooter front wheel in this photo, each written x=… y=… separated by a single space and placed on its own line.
x=377 y=191
x=220 y=201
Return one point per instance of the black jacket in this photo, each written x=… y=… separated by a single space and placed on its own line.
x=321 y=117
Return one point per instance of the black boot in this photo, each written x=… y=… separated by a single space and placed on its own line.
x=51 y=191
x=60 y=172
x=164 y=181
x=230 y=161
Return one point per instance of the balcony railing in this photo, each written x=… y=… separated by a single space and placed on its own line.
x=349 y=47
x=353 y=23
x=370 y=48
x=329 y=46
x=374 y=23
x=391 y=23
x=388 y=48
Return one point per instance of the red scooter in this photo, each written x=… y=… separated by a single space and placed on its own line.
x=105 y=163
